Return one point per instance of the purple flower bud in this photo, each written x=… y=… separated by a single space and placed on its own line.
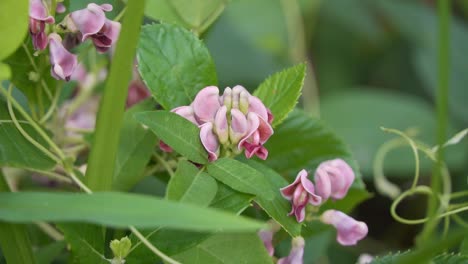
x=266 y=236
x=38 y=17
x=227 y=98
x=164 y=147
x=238 y=126
x=296 y=254
x=137 y=92
x=236 y=91
x=300 y=192
x=63 y=62
x=92 y=23
x=221 y=125
x=333 y=179
x=349 y=230
x=60 y=8
x=206 y=104
x=209 y=141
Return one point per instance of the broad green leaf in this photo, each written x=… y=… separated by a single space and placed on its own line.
x=194 y=15
x=177 y=132
x=86 y=242
x=281 y=91
x=47 y=254
x=278 y=208
x=174 y=64
x=302 y=142
x=14 y=238
x=230 y=200
x=240 y=177
x=189 y=185
x=15 y=149
x=14 y=20
x=101 y=161
x=225 y=249
x=386 y=109
x=119 y=210
x=135 y=148
x=5 y=72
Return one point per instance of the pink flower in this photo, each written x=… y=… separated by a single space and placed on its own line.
x=234 y=121
x=266 y=235
x=300 y=193
x=38 y=17
x=92 y=23
x=296 y=254
x=333 y=179
x=349 y=230
x=63 y=62
x=137 y=92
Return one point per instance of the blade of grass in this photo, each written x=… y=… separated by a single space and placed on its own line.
x=104 y=149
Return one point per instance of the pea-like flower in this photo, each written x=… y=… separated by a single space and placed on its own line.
x=349 y=231
x=92 y=23
x=63 y=62
x=300 y=193
x=296 y=253
x=232 y=122
x=38 y=17
x=333 y=179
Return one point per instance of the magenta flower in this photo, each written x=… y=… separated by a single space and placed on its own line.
x=333 y=179
x=349 y=230
x=92 y=23
x=300 y=193
x=38 y=17
x=234 y=121
x=63 y=62
x=296 y=253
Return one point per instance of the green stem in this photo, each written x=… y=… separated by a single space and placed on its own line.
x=165 y=164
x=443 y=10
x=101 y=161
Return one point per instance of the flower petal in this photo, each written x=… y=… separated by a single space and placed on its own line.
x=206 y=104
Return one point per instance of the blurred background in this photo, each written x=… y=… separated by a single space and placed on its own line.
x=372 y=63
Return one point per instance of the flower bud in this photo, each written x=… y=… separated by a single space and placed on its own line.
x=221 y=125
x=349 y=231
x=333 y=179
x=238 y=126
x=227 y=98
x=296 y=254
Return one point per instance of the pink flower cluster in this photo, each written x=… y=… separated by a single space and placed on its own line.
x=232 y=122
x=90 y=22
x=333 y=179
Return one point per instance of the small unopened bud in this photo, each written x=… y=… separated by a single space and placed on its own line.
x=120 y=249
x=227 y=98
x=244 y=102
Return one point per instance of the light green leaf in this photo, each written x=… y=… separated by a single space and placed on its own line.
x=281 y=91
x=135 y=148
x=189 y=185
x=174 y=64
x=195 y=15
x=177 y=132
x=14 y=20
x=386 y=109
x=302 y=142
x=5 y=72
x=278 y=208
x=240 y=177
x=119 y=210
x=225 y=249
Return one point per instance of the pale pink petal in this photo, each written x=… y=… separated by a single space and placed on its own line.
x=296 y=254
x=206 y=104
x=89 y=21
x=63 y=62
x=288 y=191
x=38 y=11
x=186 y=112
x=349 y=231
x=221 y=125
x=238 y=126
x=209 y=141
x=256 y=106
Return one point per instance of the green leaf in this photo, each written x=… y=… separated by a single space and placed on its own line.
x=240 y=177
x=194 y=15
x=440 y=259
x=189 y=185
x=225 y=249
x=391 y=110
x=5 y=72
x=174 y=64
x=281 y=91
x=278 y=208
x=14 y=238
x=118 y=210
x=47 y=254
x=135 y=149
x=101 y=161
x=14 y=20
x=302 y=142
x=86 y=242
x=17 y=151
x=230 y=200
x=177 y=132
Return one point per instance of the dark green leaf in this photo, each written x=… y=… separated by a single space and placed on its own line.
x=227 y=248
x=174 y=64
x=86 y=242
x=278 y=208
x=135 y=149
x=281 y=91
x=189 y=185
x=240 y=177
x=194 y=15
x=177 y=132
x=230 y=200
x=117 y=209
x=47 y=254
